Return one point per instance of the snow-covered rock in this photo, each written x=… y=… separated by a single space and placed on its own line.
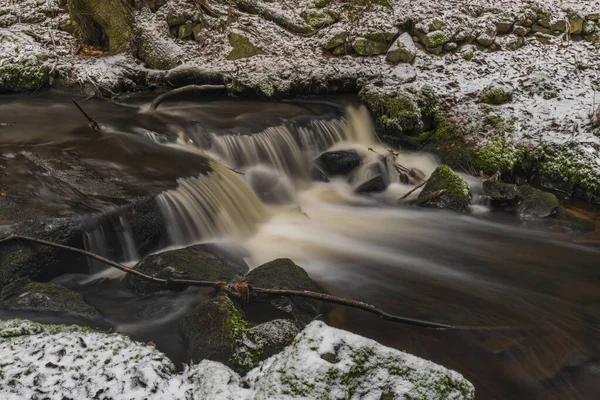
x=54 y=361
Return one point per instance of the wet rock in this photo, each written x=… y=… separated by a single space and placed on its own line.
x=367 y=47
x=336 y=38
x=373 y=185
x=284 y=274
x=403 y=50
x=22 y=295
x=340 y=162
x=535 y=203
x=496 y=94
x=200 y=262
x=242 y=47
x=213 y=331
x=458 y=192
x=317 y=175
x=499 y=191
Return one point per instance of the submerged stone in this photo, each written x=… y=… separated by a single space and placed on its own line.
x=535 y=203
x=458 y=192
x=199 y=262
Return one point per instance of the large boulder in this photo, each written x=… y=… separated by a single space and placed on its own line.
x=22 y=295
x=322 y=362
x=199 y=262
x=340 y=162
x=284 y=274
x=458 y=193
x=535 y=203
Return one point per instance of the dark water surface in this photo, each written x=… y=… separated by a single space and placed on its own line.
x=529 y=293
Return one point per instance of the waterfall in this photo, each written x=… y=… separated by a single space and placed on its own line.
x=291 y=148
x=211 y=205
x=112 y=238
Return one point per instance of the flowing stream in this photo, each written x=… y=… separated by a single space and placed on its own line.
x=529 y=290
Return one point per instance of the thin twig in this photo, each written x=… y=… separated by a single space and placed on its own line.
x=185 y=89
x=93 y=124
x=429 y=197
x=413 y=189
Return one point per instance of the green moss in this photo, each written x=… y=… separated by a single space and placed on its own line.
x=16 y=78
x=395 y=115
x=568 y=163
x=458 y=192
x=496 y=95
x=500 y=155
x=319 y=19
x=435 y=39
x=245 y=353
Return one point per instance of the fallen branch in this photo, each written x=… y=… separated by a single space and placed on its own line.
x=185 y=89
x=233 y=288
x=429 y=197
x=413 y=189
x=92 y=122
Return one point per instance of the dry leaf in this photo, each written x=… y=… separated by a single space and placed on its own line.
x=133 y=212
x=151 y=344
x=67 y=199
x=3 y=194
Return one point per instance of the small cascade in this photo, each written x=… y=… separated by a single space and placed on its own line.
x=291 y=148
x=112 y=239
x=213 y=205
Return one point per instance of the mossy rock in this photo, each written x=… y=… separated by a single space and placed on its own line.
x=212 y=330
x=18 y=78
x=535 y=203
x=319 y=19
x=242 y=47
x=500 y=191
x=396 y=115
x=199 y=262
x=496 y=94
x=282 y=273
x=435 y=39
x=22 y=295
x=458 y=193
x=337 y=39
x=367 y=47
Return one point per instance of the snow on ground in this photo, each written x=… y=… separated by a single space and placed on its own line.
x=58 y=362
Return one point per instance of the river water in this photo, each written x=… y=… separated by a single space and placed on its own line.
x=529 y=291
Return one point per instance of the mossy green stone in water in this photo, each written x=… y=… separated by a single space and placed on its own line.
x=242 y=47
x=458 y=192
x=536 y=203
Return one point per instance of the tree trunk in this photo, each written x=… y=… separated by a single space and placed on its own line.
x=106 y=24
